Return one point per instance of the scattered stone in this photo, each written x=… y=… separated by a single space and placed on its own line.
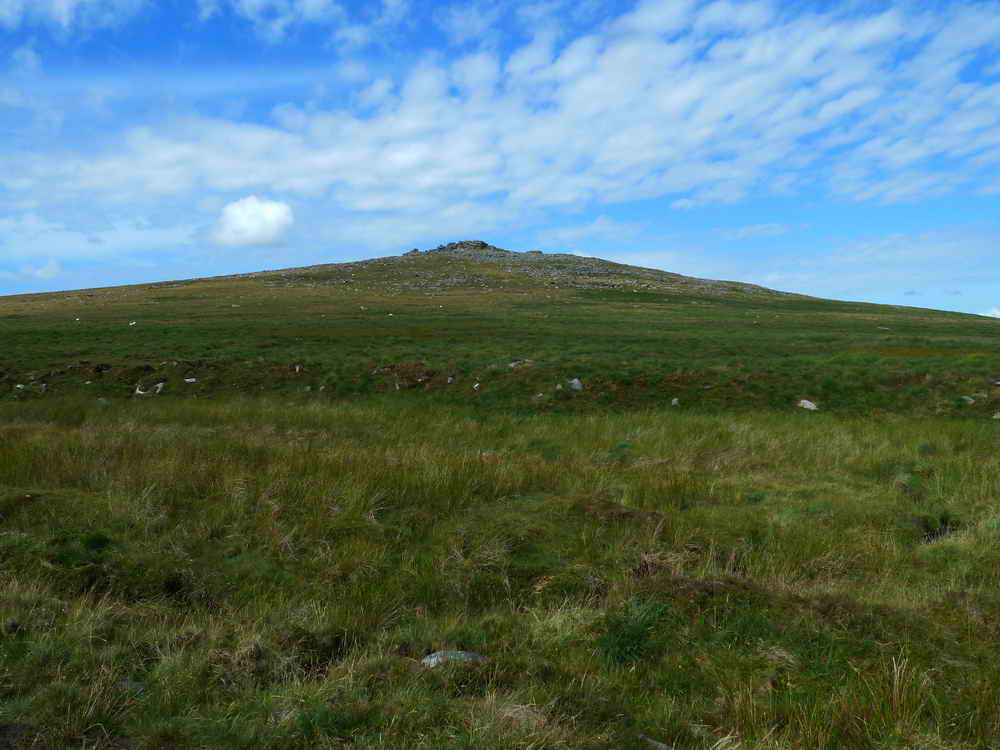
x=450 y=380
x=132 y=323
x=443 y=657
x=20 y=386
x=475 y=387
x=806 y=404
x=997 y=415
x=190 y=380
x=655 y=743
x=519 y=363
x=523 y=714
x=675 y=402
x=575 y=384
x=968 y=400
x=558 y=386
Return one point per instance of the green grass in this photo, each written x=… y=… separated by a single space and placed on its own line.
x=714 y=348
x=257 y=573
x=240 y=562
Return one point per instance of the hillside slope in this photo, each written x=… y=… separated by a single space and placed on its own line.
x=471 y=322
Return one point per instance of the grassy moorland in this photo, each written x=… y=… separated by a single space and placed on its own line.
x=262 y=557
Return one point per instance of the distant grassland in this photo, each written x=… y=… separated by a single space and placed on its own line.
x=378 y=461
x=257 y=574
x=345 y=331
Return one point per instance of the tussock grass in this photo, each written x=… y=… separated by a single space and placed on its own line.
x=263 y=573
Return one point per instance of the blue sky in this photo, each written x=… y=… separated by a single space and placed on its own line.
x=841 y=149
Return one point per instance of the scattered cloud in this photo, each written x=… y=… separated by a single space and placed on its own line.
x=272 y=19
x=756 y=230
x=49 y=271
x=618 y=115
x=253 y=221
x=603 y=227
x=67 y=14
x=25 y=59
x=469 y=22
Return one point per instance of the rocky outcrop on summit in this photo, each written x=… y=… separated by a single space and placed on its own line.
x=476 y=249
x=475 y=264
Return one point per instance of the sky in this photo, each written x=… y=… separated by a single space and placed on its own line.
x=838 y=148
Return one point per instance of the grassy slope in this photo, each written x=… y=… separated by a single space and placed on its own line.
x=363 y=328
x=265 y=570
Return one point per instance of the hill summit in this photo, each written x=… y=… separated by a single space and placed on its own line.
x=478 y=264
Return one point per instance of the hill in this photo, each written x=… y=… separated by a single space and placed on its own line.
x=477 y=500
x=517 y=324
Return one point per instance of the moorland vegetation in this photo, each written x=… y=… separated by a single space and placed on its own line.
x=241 y=512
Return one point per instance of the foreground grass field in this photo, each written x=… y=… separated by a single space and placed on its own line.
x=240 y=512
x=261 y=574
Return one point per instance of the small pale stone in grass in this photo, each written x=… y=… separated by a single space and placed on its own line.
x=968 y=400
x=806 y=404
x=997 y=415
x=575 y=384
x=443 y=657
x=190 y=380
x=675 y=402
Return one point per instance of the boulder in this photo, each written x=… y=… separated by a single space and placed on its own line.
x=806 y=404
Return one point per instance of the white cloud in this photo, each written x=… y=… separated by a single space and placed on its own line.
x=992 y=312
x=207 y=9
x=468 y=22
x=657 y=17
x=756 y=230
x=66 y=14
x=50 y=270
x=603 y=227
x=272 y=19
x=253 y=221
x=29 y=236
x=779 y=104
x=25 y=59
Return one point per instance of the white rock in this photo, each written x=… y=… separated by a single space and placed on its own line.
x=997 y=415
x=132 y=323
x=475 y=387
x=575 y=384
x=443 y=657
x=675 y=402
x=20 y=386
x=158 y=388
x=968 y=400
x=806 y=404
x=190 y=380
